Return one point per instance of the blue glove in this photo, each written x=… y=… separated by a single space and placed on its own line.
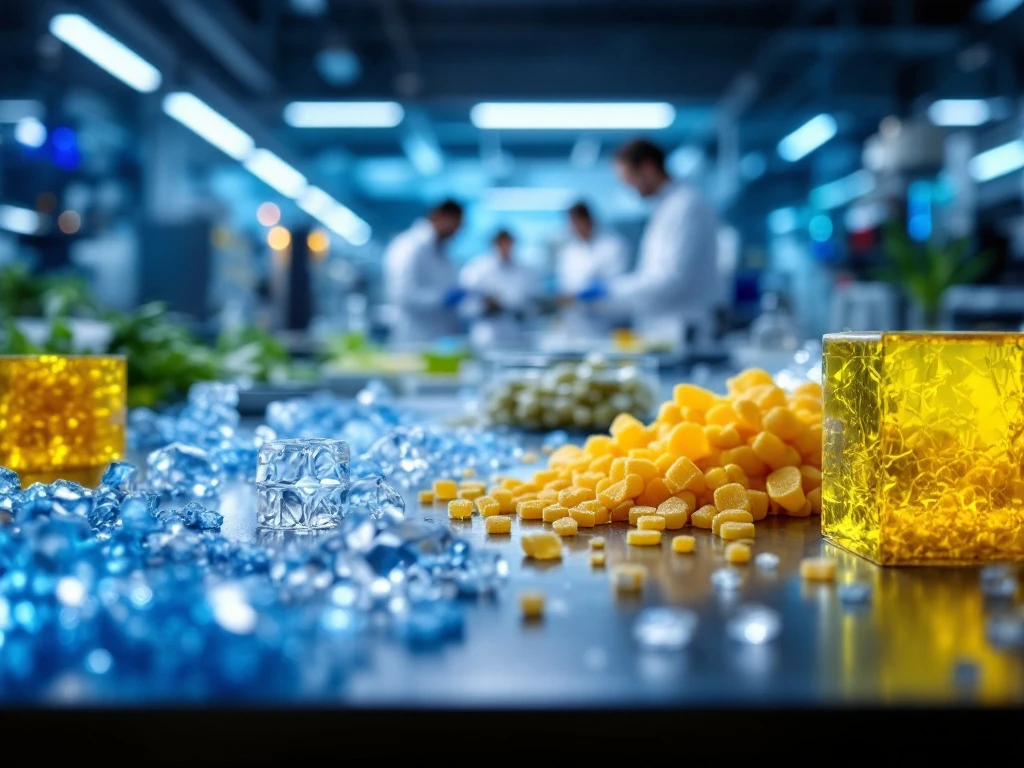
x=594 y=292
x=453 y=297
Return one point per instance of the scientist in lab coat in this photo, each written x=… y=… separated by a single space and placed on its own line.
x=420 y=282
x=674 y=294
x=593 y=255
x=501 y=294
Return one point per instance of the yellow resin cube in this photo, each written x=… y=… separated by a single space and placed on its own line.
x=683 y=545
x=530 y=510
x=542 y=546
x=532 y=605
x=460 y=509
x=445 y=490
x=426 y=497
x=597 y=559
x=628 y=577
x=597 y=542
x=498 y=524
x=488 y=506
x=923 y=446
x=643 y=538
x=61 y=412
x=565 y=526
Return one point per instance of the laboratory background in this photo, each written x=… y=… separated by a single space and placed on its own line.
x=671 y=347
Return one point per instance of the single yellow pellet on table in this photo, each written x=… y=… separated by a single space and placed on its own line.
x=426 y=497
x=554 y=512
x=737 y=554
x=544 y=545
x=585 y=518
x=488 y=506
x=445 y=490
x=565 y=526
x=597 y=559
x=460 y=509
x=597 y=542
x=733 y=531
x=651 y=523
x=532 y=604
x=683 y=545
x=729 y=516
x=498 y=524
x=530 y=510
x=704 y=516
x=645 y=538
x=506 y=503
x=471 y=494
x=732 y=496
x=628 y=577
x=818 y=569
x=676 y=512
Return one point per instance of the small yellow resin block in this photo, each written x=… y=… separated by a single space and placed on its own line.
x=426 y=497
x=597 y=542
x=506 y=503
x=640 y=538
x=554 y=512
x=570 y=497
x=628 y=577
x=61 y=412
x=729 y=516
x=704 y=516
x=818 y=569
x=583 y=517
x=530 y=510
x=684 y=545
x=565 y=526
x=471 y=494
x=498 y=524
x=597 y=559
x=733 y=531
x=532 y=605
x=635 y=513
x=651 y=523
x=620 y=514
x=542 y=546
x=488 y=506
x=732 y=496
x=923 y=448
x=737 y=554
x=445 y=490
x=460 y=509
x=676 y=512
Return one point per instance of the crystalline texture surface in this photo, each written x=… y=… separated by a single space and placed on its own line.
x=302 y=484
x=923 y=446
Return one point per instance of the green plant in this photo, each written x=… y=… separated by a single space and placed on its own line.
x=925 y=271
x=55 y=294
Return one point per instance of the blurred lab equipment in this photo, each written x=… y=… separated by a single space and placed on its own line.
x=982 y=308
x=860 y=306
x=500 y=296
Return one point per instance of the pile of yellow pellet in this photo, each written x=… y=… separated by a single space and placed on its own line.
x=707 y=460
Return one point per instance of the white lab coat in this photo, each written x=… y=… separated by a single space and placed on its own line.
x=512 y=285
x=677 y=282
x=417 y=277
x=581 y=263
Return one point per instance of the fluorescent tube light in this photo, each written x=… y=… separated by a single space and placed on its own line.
x=994 y=10
x=959 y=112
x=838 y=193
x=807 y=138
x=105 y=51
x=21 y=221
x=275 y=173
x=343 y=114
x=207 y=123
x=338 y=218
x=573 y=116
x=528 y=199
x=999 y=161
x=782 y=220
x=424 y=154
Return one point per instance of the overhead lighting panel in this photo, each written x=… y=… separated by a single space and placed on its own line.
x=105 y=51
x=807 y=138
x=999 y=161
x=21 y=221
x=838 y=193
x=275 y=173
x=570 y=116
x=206 y=122
x=338 y=218
x=343 y=114
x=959 y=112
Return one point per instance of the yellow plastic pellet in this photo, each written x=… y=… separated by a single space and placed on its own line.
x=744 y=457
x=425 y=497
x=460 y=509
x=645 y=538
x=544 y=476
x=804 y=511
x=565 y=526
x=810 y=478
x=737 y=475
x=597 y=559
x=530 y=510
x=814 y=498
x=748 y=416
x=703 y=517
x=783 y=422
x=603 y=485
x=570 y=497
x=511 y=482
x=655 y=492
x=759 y=504
x=664 y=462
x=676 y=512
x=715 y=478
x=599 y=445
x=768 y=396
x=651 y=523
x=737 y=554
x=729 y=516
x=530 y=457
x=445 y=490
x=633 y=436
x=620 y=513
x=558 y=485
x=553 y=512
x=548 y=496
x=785 y=486
x=498 y=524
x=732 y=496
x=532 y=605
x=586 y=480
x=618 y=470
x=643 y=467
x=525 y=489
x=488 y=506
x=543 y=545
x=584 y=518
x=628 y=577
x=770 y=449
x=602 y=516
x=506 y=503
x=732 y=531
x=722 y=414
x=688 y=439
x=668 y=413
x=683 y=545
x=597 y=542
x=470 y=494
x=635 y=513
x=601 y=465
x=818 y=569
x=692 y=396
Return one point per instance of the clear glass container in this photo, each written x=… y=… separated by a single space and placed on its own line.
x=567 y=391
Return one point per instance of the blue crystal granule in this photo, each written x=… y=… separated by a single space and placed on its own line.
x=183 y=470
x=302 y=484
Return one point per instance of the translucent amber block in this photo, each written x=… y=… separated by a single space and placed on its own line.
x=923 y=446
x=61 y=412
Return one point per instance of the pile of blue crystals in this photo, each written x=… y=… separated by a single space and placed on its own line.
x=130 y=591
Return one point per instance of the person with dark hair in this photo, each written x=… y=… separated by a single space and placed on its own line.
x=420 y=282
x=502 y=295
x=592 y=255
x=677 y=288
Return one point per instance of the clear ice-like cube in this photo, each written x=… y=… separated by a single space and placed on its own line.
x=302 y=484
x=665 y=629
x=9 y=481
x=208 y=394
x=183 y=470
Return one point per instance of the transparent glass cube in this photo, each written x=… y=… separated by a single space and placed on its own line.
x=302 y=484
